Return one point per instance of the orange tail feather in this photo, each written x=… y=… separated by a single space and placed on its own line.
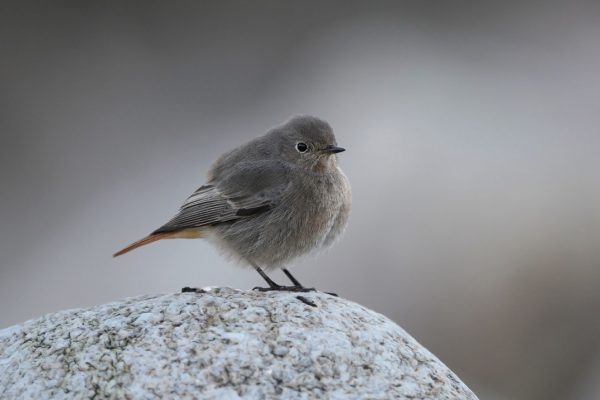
x=142 y=242
x=191 y=233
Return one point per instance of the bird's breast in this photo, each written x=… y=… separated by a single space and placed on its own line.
x=318 y=207
x=311 y=214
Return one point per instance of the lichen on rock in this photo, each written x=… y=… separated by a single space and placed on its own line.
x=221 y=343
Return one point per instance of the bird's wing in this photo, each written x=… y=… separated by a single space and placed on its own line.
x=250 y=189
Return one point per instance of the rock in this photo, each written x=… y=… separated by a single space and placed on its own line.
x=221 y=344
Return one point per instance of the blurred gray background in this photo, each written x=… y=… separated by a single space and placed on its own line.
x=472 y=132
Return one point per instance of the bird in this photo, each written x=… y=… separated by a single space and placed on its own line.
x=271 y=200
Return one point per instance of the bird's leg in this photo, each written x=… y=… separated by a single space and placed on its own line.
x=271 y=282
x=274 y=286
x=297 y=283
x=291 y=277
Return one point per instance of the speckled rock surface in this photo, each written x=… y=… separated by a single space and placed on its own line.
x=221 y=344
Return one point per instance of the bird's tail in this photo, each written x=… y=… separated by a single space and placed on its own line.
x=153 y=237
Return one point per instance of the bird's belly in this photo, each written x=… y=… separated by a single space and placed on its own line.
x=291 y=229
x=273 y=239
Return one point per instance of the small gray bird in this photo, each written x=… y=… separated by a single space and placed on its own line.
x=270 y=200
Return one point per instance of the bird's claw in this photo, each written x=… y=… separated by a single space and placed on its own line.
x=278 y=288
x=307 y=301
x=188 y=289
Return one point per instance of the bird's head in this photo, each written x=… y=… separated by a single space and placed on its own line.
x=308 y=142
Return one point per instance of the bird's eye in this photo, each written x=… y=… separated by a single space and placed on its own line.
x=301 y=147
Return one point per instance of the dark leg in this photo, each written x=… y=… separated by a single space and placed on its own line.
x=275 y=286
x=270 y=281
x=297 y=283
x=291 y=277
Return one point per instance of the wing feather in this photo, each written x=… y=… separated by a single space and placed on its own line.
x=249 y=190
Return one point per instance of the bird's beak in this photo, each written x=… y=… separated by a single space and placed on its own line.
x=331 y=149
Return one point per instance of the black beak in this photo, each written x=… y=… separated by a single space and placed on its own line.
x=331 y=149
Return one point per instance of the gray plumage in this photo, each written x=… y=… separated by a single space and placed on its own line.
x=267 y=201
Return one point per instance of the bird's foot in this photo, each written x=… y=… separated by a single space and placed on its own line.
x=279 y=288
x=188 y=289
x=297 y=289
x=307 y=301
